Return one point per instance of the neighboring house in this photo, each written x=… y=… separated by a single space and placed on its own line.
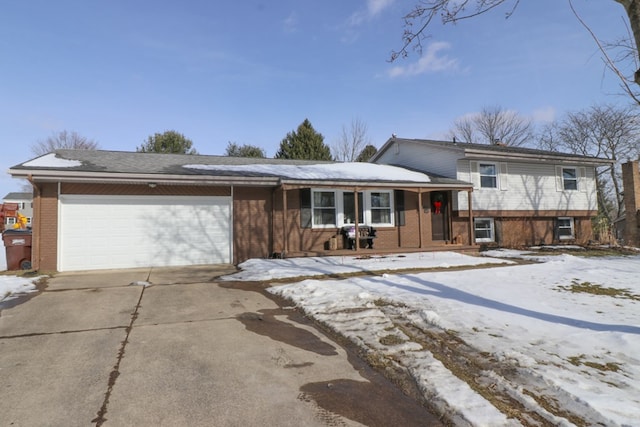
x=24 y=202
x=520 y=196
x=105 y=209
x=628 y=225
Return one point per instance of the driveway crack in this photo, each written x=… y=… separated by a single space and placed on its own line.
x=115 y=372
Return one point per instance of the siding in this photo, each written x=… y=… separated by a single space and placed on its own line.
x=433 y=160
x=529 y=187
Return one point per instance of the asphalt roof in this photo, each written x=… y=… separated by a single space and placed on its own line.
x=121 y=162
x=500 y=149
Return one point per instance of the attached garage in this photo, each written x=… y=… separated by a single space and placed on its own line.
x=108 y=231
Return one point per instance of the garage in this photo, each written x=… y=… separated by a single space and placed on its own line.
x=104 y=232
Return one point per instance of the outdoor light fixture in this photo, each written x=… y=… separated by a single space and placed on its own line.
x=152 y=185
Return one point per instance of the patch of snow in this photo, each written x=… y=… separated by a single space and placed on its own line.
x=579 y=350
x=51 y=161
x=269 y=269
x=355 y=171
x=11 y=286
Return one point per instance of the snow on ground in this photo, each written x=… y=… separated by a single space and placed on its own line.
x=569 y=327
x=10 y=286
x=271 y=269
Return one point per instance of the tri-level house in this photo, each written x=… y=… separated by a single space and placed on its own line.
x=520 y=196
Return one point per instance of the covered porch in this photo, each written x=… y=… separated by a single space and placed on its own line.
x=310 y=219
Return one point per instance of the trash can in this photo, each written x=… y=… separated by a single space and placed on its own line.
x=18 y=247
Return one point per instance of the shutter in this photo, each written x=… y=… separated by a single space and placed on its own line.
x=398 y=196
x=582 y=179
x=559 y=183
x=504 y=172
x=475 y=175
x=306 y=217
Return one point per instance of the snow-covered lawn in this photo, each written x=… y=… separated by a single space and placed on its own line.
x=559 y=339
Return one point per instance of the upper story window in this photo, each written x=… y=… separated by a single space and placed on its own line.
x=569 y=179
x=488 y=175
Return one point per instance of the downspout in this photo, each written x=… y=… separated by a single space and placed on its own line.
x=355 y=205
x=420 y=209
x=35 y=242
x=469 y=198
x=284 y=222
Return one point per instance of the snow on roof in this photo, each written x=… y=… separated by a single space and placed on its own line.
x=51 y=161
x=355 y=171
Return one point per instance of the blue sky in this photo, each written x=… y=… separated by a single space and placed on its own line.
x=249 y=72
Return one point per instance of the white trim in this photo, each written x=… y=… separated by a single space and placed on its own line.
x=492 y=228
x=571 y=227
x=366 y=209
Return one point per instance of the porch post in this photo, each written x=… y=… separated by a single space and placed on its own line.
x=420 y=218
x=355 y=204
x=470 y=210
x=285 y=241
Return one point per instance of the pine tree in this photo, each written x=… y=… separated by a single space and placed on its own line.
x=304 y=144
x=168 y=142
x=367 y=152
x=246 y=150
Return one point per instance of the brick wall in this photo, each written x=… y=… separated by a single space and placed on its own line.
x=631 y=183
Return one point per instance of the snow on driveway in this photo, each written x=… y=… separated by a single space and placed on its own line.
x=568 y=329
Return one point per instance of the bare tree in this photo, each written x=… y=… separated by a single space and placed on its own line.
x=615 y=55
x=352 y=141
x=605 y=131
x=493 y=125
x=63 y=139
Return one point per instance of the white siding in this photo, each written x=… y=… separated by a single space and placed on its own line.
x=433 y=160
x=527 y=187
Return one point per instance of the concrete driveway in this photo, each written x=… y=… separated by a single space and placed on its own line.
x=99 y=348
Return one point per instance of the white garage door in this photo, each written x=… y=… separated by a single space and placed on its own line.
x=99 y=232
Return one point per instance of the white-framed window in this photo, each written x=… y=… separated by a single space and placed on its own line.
x=336 y=208
x=484 y=229
x=488 y=175
x=380 y=205
x=10 y=220
x=566 y=229
x=569 y=178
x=349 y=208
x=323 y=204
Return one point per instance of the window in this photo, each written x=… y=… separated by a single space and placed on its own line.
x=10 y=220
x=324 y=208
x=335 y=208
x=483 y=228
x=569 y=179
x=488 y=175
x=381 y=207
x=565 y=228
x=349 y=208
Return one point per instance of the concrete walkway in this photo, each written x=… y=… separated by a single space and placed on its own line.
x=93 y=349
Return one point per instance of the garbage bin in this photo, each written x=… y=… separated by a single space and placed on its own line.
x=18 y=247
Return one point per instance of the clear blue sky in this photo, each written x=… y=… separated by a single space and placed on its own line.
x=250 y=71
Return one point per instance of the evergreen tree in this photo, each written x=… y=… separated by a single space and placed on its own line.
x=168 y=142
x=235 y=150
x=304 y=144
x=367 y=152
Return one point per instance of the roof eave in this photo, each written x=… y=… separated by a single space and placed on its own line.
x=474 y=153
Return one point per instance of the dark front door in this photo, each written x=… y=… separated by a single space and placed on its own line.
x=439 y=215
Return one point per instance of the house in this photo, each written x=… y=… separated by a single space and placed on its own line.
x=23 y=204
x=107 y=209
x=520 y=196
x=628 y=225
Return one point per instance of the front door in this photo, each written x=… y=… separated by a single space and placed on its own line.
x=439 y=215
